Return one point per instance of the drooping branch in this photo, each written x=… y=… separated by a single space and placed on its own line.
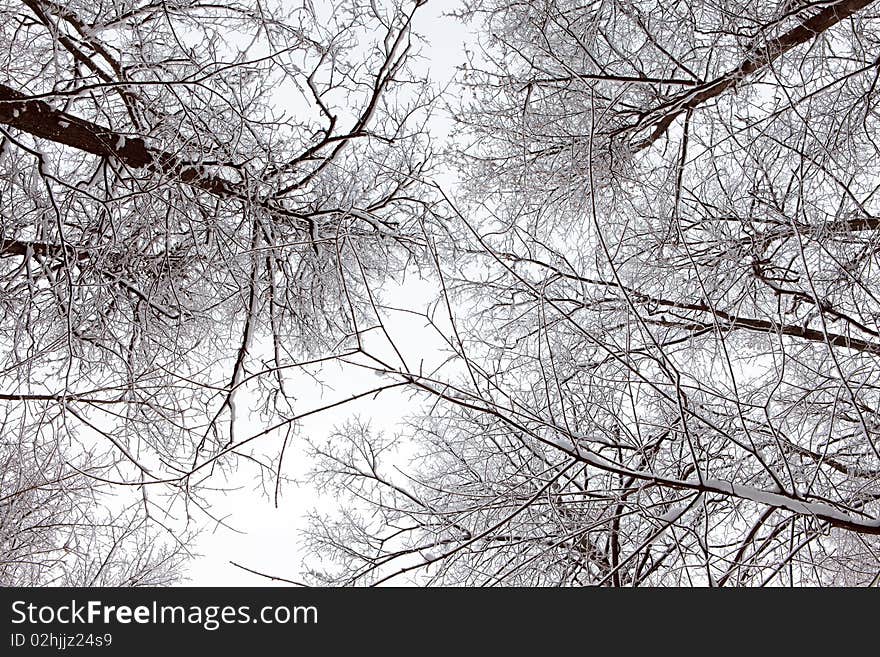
x=773 y=499
x=822 y=511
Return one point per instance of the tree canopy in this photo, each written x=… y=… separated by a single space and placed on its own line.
x=656 y=280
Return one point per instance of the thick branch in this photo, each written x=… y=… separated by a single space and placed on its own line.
x=769 y=51
x=727 y=320
x=41 y=120
x=763 y=326
x=778 y=500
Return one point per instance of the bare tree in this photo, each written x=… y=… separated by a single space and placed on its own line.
x=663 y=293
x=181 y=184
x=57 y=527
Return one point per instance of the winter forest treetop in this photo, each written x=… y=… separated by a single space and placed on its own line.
x=649 y=234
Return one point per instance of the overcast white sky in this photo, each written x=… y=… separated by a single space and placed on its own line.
x=266 y=538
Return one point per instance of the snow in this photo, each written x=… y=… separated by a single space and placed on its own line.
x=672 y=515
x=594 y=439
x=563 y=443
x=769 y=498
x=760 y=496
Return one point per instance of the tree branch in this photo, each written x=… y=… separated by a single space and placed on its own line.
x=663 y=116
